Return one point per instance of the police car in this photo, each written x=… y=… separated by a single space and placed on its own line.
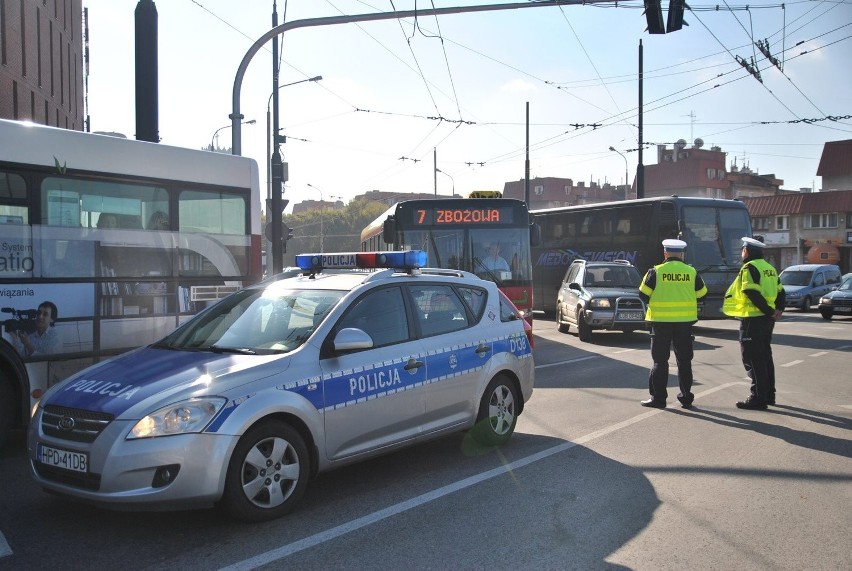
x=244 y=403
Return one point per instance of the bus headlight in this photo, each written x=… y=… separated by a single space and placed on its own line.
x=178 y=418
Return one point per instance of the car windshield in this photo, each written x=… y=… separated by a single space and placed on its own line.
x=795 y=278
x=612 y=276
x=275 y=319
x=846 y=285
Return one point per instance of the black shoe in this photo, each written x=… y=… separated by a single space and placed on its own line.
x=684 y=402
x=653 y=403
x=751 y=404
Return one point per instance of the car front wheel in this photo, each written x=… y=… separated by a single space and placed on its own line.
x=561 y=326
x=267 y=474
x=826 y=314
x=498 y=412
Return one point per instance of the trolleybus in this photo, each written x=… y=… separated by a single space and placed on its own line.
x=464 y=234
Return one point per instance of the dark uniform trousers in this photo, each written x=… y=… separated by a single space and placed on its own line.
x=756 y=349
x=664 y=336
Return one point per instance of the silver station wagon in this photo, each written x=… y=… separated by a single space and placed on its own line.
x=244 y=403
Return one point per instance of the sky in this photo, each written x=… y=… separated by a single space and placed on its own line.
x=399 y=98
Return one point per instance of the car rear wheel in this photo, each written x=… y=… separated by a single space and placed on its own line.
x=584 y=330
x=561 y=326
x=498 y=412
x=267 y=474
x=826 y=314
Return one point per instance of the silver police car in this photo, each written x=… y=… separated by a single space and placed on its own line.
x=244 y=403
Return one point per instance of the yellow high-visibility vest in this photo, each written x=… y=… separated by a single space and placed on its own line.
x=674 y=298
x=737 y=303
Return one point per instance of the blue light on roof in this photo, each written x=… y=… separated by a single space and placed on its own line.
x=407 y=260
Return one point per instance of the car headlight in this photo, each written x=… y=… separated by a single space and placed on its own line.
x=179 y=418
x=599 y=303
x=825 y=301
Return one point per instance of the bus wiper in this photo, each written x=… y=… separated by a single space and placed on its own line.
x=237 y=350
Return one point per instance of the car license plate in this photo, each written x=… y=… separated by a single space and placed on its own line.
x=630 y=316
x=74 y=461
x=843 y=309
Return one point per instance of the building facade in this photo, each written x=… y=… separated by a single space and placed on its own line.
x=41 y=62
x=554 y=192
x=805 y=227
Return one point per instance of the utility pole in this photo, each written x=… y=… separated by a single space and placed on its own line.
x=277 y=164
x=640 y=168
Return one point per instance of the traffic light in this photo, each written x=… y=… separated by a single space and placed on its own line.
x=654 y=17
x=675 y=21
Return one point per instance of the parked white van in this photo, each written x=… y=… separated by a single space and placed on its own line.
x=804 y=284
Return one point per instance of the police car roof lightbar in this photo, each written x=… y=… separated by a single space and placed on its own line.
x=408 y=260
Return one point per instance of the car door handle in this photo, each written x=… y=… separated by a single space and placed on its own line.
x=482 y=349
x=413 y=364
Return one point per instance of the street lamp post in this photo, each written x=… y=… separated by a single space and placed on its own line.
x=625 y=167
x=451 y=179
x=215 y=136
x=273 y=137
x=322 y=216
x=275 y=171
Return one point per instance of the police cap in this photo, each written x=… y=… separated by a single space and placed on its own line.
x=752 y=243
x=674 y=246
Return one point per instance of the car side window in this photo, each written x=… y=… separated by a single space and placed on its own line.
x=439 y=309
x=381 y=314
x=475 y=299
x=571 y=275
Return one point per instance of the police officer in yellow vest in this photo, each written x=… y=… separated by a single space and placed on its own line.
x=756 y=298
x=671 y=290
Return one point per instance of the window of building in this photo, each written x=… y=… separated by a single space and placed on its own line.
x=782 y=222
x=821 y=220
x=711 y=173
x=849 y=219
x=760 y=224
x=539 y=190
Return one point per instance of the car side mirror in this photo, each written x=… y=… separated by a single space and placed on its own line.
x=350 y=338
x=574 y=286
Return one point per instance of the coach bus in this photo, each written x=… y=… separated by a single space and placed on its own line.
x=107 y=244
x=487 y=236
x=633 y=230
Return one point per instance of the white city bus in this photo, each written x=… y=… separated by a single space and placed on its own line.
x=123 y=240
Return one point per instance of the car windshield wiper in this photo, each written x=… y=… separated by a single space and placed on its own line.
x=166 y=346
x=237 y=350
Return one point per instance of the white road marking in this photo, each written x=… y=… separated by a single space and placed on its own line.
x=792 y=363
x=560 y=363
x=356 y=524
x=820 y=354
x=622 y=351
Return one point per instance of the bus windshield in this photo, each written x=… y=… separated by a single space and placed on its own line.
x=489 y=237
x=497 y=255
x=714 y=235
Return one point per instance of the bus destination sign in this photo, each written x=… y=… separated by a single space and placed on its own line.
x=441 y=215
